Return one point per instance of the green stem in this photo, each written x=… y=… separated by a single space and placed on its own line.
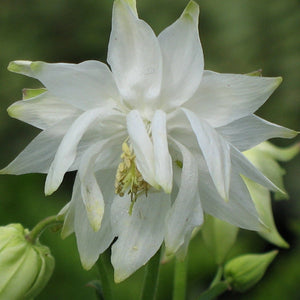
x=38 y=229
x=151 y=278
x=218 y=276
x=179 y=288
x=106 y=279
x=215 y=291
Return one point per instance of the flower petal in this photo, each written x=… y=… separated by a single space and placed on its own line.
x=66 y=152
x=250 y=131
x=239 y=210
x=268 y=166
x=134 y=56
x=278 y=153
x=86 y=85
x=90 y=243
x=142 y=147
x=183 y=61
x=90 y=190
x=21 y=67
x=216 y=152
x=162 y=158
x=181 y=219
x=140 y=234
x=69 y=215
x=42 y=111
x=223 y=98
x=262 y=200
x=245 y=167
x=38 y=155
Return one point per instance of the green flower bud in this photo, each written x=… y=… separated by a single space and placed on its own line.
x=25 y=267
x=245 y=271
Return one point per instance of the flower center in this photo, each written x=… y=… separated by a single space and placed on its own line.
x=128 y=177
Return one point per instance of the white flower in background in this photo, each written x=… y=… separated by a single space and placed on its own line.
x=178 y=129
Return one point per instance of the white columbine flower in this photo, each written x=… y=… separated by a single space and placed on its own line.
x=178 y=129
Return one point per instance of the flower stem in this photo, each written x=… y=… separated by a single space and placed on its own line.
x=179 y=288
x=215 y=291
x=151 y=278
x=38 y=229
x=218 y=277
x=105 y=275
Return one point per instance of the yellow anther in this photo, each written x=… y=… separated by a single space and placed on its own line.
x=129 y=178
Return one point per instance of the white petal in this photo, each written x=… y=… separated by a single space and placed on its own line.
x=66 y=152
x=223 y=98
x=86 y=85
x=134 y=56
x=183 y=61
x=142 y=147
x=239 y=210
x=245 y=167
x=90 y=243
x=195 y=218
x=90 y=190
x=140 y=235
x=38 y=155
x=162 y=158
x=216 y=152
x=179 y=128
x=181 y=219
x=268 y=166
x=250 y=131
x=42 y=111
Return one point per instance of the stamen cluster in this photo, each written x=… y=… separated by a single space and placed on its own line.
x=128 y=177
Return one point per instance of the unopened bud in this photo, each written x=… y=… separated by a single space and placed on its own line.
x=25 y=267
x=245 y=271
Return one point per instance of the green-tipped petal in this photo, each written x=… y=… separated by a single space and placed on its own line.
x=30 y=93
x=134 y=55
x=41 y=109
x=132 y=5
x=21 y=67
x=231 y=96
x=191 y=11
x=180 y=43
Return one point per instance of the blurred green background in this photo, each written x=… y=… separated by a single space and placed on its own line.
x=238 y=36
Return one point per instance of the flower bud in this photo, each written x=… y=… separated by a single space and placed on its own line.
x=25 y=267
x=245 y=271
